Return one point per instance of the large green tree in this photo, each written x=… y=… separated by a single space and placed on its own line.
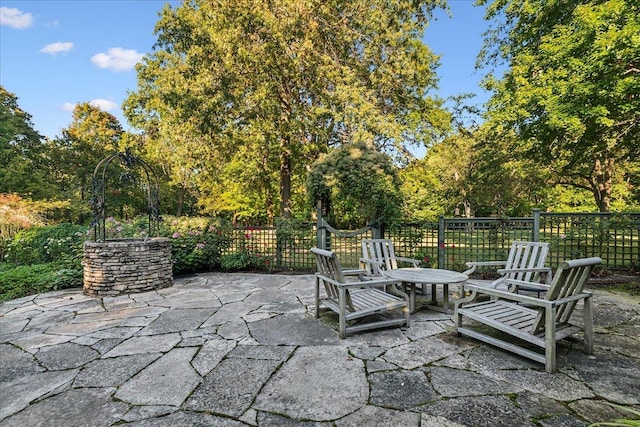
x=92 y=135
x=356 y=185
x=571 y=92
x=21 y=151
x=283 y=81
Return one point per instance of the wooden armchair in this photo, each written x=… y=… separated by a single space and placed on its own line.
x=541 y=322
x=525 y=262
x=378 y=255
x=355 y=300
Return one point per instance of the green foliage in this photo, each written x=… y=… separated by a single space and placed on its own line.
x=427 y=257
x=249 y=256
x=21 y=151
x=197 y=245
x=571 y=91
x=247 y=260
x=17 y=281
x=38 y=245
x=246 y=94
x=437 y=184
x=358 y=183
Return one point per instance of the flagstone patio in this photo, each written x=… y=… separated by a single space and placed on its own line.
x=243 y=349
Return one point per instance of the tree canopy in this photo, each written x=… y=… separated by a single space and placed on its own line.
x=273 y=84
x=356 y=185
x=21 y=147
x=571 y=92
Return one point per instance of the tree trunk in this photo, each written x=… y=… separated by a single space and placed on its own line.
x=285 y=180
x=180 y=202
x=601 y=181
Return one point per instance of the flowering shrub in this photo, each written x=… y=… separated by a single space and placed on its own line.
x=37 y=245
x=196 y=245
x=428 y=259
x=248 y=256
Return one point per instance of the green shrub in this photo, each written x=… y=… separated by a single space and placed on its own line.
x=39 y=245
x=22 y=280
x=247 y=260
x=196 y=245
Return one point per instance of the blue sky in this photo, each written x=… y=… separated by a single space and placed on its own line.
x=56 y=53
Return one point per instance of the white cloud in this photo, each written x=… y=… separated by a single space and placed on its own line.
x=117 y=59
x=103 y=104
x=53 y=48
x=68 y=107
x=15 y=18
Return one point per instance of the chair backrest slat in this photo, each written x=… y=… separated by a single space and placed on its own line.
x=569 y=280
x=526 y=255
x=329 y=266
x=380 y=250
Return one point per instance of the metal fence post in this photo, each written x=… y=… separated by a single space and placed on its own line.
x=441 y=242
x=536 y=225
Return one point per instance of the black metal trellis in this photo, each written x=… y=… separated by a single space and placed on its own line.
x=129 y=161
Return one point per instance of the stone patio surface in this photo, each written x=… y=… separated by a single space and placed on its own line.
x=244 y=349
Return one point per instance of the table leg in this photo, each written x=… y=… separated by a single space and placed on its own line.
x=445 y=297
x=412 y=297
x=434 y=297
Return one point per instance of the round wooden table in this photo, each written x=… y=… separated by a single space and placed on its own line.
x=413 y=276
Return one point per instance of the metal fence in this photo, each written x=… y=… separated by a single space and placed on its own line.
x=450 y=242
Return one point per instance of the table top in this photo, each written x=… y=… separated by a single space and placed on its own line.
x=425 y=275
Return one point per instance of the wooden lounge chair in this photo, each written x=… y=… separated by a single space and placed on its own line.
x=378 y=254
x=539 y=321
x=355 y=300
x=525 y=262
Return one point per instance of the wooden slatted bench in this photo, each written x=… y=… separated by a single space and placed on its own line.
x=541 y=322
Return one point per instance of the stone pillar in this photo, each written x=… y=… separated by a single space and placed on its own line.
x=122 y=266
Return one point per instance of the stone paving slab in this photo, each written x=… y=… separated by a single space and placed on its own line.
x=245 y=350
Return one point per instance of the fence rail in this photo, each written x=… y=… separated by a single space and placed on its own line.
x=450 y=242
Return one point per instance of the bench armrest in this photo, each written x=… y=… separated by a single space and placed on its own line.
x=506 y=295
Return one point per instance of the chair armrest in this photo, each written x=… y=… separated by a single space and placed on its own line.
x=354 y=272
x=525 y=270
x=370 y=261
x=415 y=262
x=484 y=263
x=528 y=285
x=577 y=297
x=506 y=295
x=365 y=284
x=475 y=264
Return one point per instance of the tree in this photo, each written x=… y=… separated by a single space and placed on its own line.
x=571 y=93
x=21 y=151
x=440 y=183
x=285 y=80
x=92 y=135
x=356 y=184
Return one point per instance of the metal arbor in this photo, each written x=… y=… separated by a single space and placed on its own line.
x=129 y=161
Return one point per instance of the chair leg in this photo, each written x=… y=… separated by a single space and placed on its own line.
x=588 y=325
x=550 y=340
x=317 y=296
x=407 y=316
x=342 y=321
